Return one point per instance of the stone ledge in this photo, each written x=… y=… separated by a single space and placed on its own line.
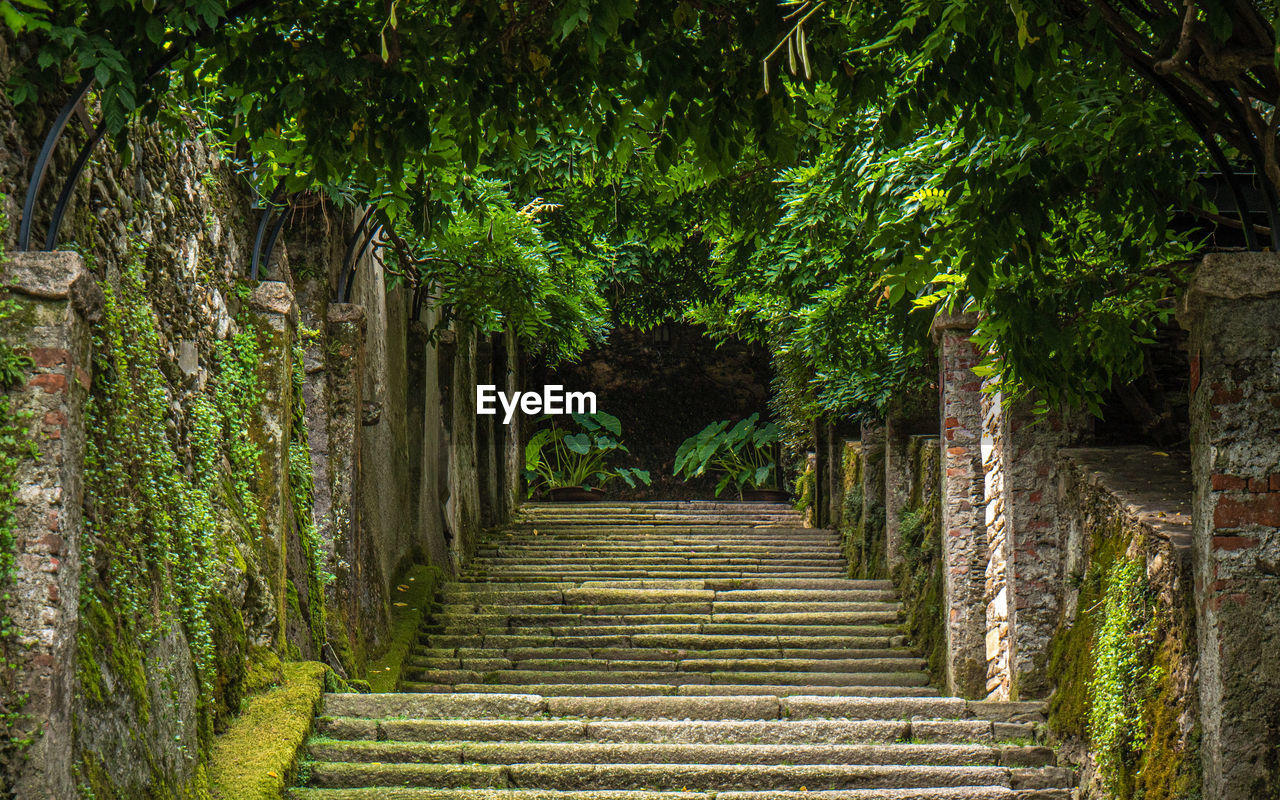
x=965 y=321
x=1155 y=490
x=273 y=297
x=59 y=275
x=1230 y=276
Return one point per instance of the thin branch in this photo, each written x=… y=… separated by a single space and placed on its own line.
x=1185 y=40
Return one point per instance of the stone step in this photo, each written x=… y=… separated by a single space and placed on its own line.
x=516 y=616
x=788 y=731
x=815 y=777
x=623 y=628
x=671 y=690
x=943 y=793
x=422 y=655
x=717 y=584
x=901 y=677
x=512 y=706
x=883 y=636
x=655 y=607
x=615 y=663
x=480 y=752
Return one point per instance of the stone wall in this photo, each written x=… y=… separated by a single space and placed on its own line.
x=274 y=461
x=1123 y=658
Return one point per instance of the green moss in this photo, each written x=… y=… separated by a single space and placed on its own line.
x=263 y=671
x=1113 y=667
x=257 y=757
x=409 y=604
x=231 y=646
x=918 y=578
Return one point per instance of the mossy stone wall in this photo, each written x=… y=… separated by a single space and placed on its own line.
x=1123 y=659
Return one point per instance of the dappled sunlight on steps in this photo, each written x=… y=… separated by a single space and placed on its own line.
x=658 y=651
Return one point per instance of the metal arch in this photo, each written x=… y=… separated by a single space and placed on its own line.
x=343 y=289
x=1215 y=152
x=272 y=203
x=40 y=171
x=373 y=232
x=69 y=186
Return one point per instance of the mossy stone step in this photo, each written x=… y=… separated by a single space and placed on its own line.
x=754 y=777
x=635 y=654
x=672 y=690
x=789 y=731
x=945 y=793
x=480 y=752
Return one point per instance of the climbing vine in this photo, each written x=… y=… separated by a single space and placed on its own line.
x=302 y=485
x=151 y=556
x=1120 y=672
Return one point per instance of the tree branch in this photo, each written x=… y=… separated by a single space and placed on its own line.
x=1185 y=40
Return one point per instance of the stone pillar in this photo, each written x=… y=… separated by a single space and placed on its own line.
x=963 y=536
x=337 y=521
x=906 y=417
x=873 y=506
x=513 y=441
x=999 y=679
x=464 y=489
x=274 y=317
x=57 y=300
x=1232 y=310
x=897 y=487
x=1036 y=551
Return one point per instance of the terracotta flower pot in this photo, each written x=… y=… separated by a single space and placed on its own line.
x=765 y=496
x=575 y=494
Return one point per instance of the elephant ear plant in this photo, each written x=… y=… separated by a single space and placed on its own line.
x=557 y=458
x=744 y=454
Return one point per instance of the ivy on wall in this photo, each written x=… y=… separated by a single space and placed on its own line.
x=1115 y=666
x=151 y=551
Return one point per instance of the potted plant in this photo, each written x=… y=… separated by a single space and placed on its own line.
x=744 y=453
x=573 y=465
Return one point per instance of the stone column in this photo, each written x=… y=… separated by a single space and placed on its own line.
x=905 y=418
x=1036 y=568
x=274 y=316
x=1232 y=310
x=513 y=455
x=464 y=488
x=997 y=642
x=873 y=505
x=338 y=522
x=897 y=488
x=57 y=299
x=963 y=536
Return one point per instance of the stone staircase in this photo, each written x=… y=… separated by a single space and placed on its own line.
x=670 y=651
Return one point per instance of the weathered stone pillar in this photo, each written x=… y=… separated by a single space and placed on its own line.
x=274 y=317
x=905 y=418
x=337 y=516
x=963 y=536
x=897 y=487
x=1036 y=539
x=57 y=299
x=486 y=446
x=996 y=641
x=513 y=442
x=1232 y=310
x=873 y=500
x=464 y=490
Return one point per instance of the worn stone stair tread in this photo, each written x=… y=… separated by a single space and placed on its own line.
x=661 y=776
x=480 y=752
x=772 y=731
x=674 y=690
x=943 y=793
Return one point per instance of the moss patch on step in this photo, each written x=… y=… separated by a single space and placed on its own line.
x=410 y=601
x=256 y=758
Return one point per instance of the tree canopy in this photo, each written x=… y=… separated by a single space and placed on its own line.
x=819 y=177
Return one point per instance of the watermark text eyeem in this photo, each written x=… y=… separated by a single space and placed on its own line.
x=552 y=400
